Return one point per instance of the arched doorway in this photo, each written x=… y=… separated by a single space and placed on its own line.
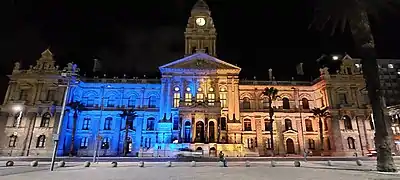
x=289 y=146
x=199 y=132
x=213 y=152
x=186 y=132
x=211 y=130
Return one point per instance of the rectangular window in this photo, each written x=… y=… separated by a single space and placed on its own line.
x=51 y=95
x=188 y=99
x=342 y=98
x=211 y=99
x=177 y=97
x=84 y=143
x=200 y=97
x=86 y=124
x=247 y=125
x=222 y=97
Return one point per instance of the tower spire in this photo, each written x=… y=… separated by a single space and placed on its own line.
x=201 y=6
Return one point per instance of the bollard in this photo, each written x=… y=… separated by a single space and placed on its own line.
x=61 y=164
x=34 y=163
x=86 y=164
x=9 y=163
x=141 y=164
x=359 y=162
x=330 y=163
x=169 y=164
x=273 y=164
x=247 y=163
x=114 y=164
x=193 y=163
x=296 y=163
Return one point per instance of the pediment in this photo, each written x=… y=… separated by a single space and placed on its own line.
x=199 y=62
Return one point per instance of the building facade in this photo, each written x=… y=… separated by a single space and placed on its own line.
x=199 y=103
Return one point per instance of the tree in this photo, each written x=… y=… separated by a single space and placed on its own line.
x=321 y=113
x=354 y=14
x=77 y=107
x=129 y=115
x=271 y=94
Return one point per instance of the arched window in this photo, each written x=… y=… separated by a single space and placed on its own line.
x=152 y=102
x=288 y=124
x=304 y=101
x=150 y=124
x=110 y=101
x=223 y=123
x=267 y=124
x=199 y=95
x=45 y=122
x=132 y=101
x=309 y=127
x=107 y=123
x=188 y=97
x=176 y=123
x=347 y=123
x=105 y=143
x=311 y=144
x=247 y=124
x=286 y=103
x=351 y=143
x=86 y=124
x=13 y=141
x=211 y=97
x=41 y=140
x=246 y=103
x=222 y=97
x=129 y=122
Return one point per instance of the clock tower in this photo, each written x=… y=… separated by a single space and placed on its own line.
x=200 y=34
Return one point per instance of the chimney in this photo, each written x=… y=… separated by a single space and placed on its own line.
x=270 y=74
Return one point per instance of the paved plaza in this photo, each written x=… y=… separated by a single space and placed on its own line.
x=317 y=170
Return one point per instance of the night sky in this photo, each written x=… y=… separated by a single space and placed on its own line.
x=136 y=38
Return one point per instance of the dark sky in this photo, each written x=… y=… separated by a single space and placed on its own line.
x=139 y=36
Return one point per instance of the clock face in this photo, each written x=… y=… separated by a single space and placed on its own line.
x=200 y=21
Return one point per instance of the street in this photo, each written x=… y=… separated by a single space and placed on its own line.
x=202 y=170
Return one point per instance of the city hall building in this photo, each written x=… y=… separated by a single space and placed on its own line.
x=198 y=103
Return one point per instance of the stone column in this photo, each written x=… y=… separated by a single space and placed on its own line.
x=193 y=129
x=259 y=142
x=280 y=139
x=206 y=135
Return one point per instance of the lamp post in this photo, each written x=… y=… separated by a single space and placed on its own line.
x=69 y=73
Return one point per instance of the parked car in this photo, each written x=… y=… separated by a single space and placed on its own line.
x=373 y=153
x=186 y=152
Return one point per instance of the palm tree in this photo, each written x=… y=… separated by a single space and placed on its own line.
x=271 y=94
x=129 y=115
x=354 y=13
x=77 y=107
x=321 y=113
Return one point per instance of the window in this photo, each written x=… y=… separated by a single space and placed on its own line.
x=211 y=99
x=132 y=101
x=45 y=120
x=51 y=95
x=351 y=143
x=311 y=144
x=150 y=124
x=268 y=143
x=347 y=123
x=265 y=103
x=286 y=103
x=222 y=97
x=84 y=143
x=288 y=124
x=328 y=142
x=16 y=119
x=105 y=143
x=109 y=101
x=176 y=123
x=223 y=124
x=247 y=125
x=309 y=127
x=246 y=103
x=267 y=124
x=13 y=141
x=304 y=101
x=86 y=124
x=129 y=122
x=152 y=102
x=23 y=96
x=177 y=97
x=200 y=97
x=107 y=123
x=188 y=98
x=41 y=140
x=89 y=102
x=342 y=98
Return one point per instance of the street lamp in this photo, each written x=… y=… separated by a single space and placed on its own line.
x=69 y=72
x=335 y=57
